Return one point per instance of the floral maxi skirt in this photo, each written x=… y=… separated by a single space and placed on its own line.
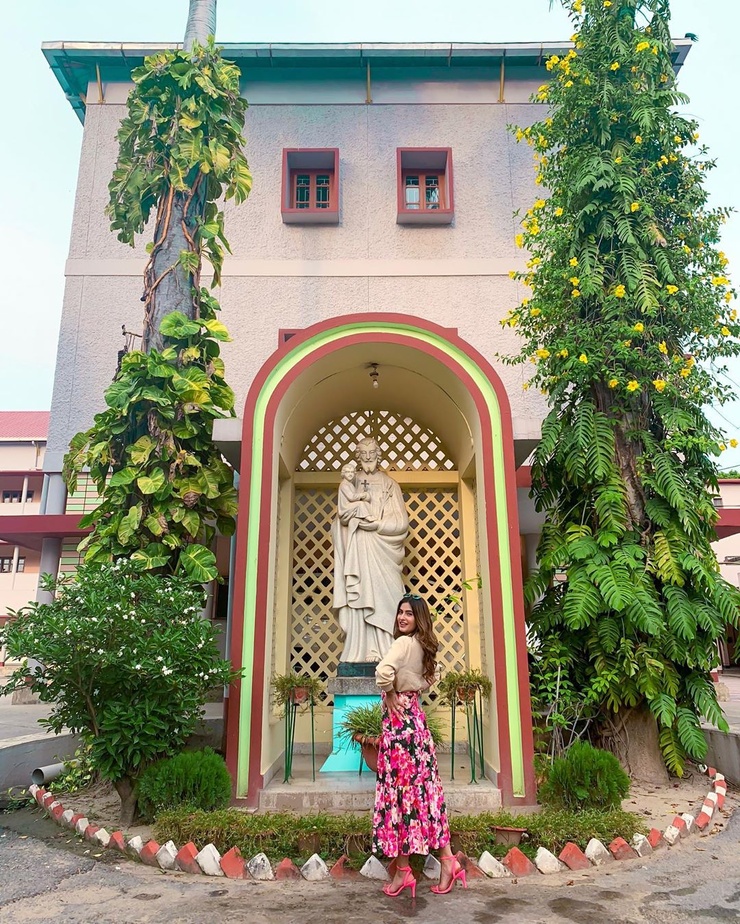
x=410 y=814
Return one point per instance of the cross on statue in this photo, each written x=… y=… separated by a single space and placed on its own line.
x=365 y=484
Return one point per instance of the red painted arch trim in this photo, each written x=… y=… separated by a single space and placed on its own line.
x=266 y=500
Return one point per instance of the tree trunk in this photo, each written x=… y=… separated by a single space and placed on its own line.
x=125 y=789
x=201 y=22
x=168 y=286
x=632 y=736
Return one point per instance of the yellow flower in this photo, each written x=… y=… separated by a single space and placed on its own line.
x=642 y=46
x=733 y=443
x=695 y=136
x=535 y=312
x=722 y=447
x=539 y=204
x=720 y=281
x=563 y=354
x=733 y=315
x=620 y=291
x=583 y=358
x=634 y=207
x=638 y=139
x=574 y=280
x=543 y=354
x=686 y=248
x=512 y=274
x=568 y=83
x=525 y=386
x=575 y=293
x=558 y=212
x=614 y=66
x=607 y=3
x=671 y=290
x=725 y=332
x=627 y=343
x=519 y=134
x=659 y=384
x=685 y=373
x=538 y=180
x=728 y=298
x=618 y=160
x=663 y=348
x=690 y=360
x=613 y=383
x=519 y=239
x=573 y=261
x=639 y=327
x=654 y=49
x=577 y=5
x=678 y=139
x=632 y=385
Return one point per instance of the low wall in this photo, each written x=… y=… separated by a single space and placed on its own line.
x=724 y=753
x=20 y=756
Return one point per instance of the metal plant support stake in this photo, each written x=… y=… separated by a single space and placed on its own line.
x=291 y=710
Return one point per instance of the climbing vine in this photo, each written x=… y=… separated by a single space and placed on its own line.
x=630 y=309
x=164 y=486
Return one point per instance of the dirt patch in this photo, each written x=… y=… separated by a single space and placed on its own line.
x=101 y=805
x=659 y=804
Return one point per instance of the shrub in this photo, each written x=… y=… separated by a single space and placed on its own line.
x=193 y=780
x=282 y=834
x=124 y=659
x=585 y=777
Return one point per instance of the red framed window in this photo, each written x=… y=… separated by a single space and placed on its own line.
x=310 y=193
x=425 y=186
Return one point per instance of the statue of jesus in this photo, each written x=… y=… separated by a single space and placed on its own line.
x=368 y=558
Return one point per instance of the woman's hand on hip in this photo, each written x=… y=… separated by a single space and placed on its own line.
x=392 y=704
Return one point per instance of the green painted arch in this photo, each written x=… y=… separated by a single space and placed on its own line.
x=370 y=327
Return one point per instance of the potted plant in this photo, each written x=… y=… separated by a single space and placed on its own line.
x=364 y=725
x=461 y=686
x=295 y=689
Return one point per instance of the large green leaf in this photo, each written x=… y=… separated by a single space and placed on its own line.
x=151 y=483
x=198 y=563
x=177 y=327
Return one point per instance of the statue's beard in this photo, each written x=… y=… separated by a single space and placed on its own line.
x=368 y=467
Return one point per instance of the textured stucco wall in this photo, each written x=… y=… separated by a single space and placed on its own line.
x=287 y=276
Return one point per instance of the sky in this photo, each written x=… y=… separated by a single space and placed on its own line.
x=40 y=149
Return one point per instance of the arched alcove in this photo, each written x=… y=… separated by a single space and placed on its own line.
x=440 y=387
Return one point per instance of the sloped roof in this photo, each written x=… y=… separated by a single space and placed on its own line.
x=24 y=425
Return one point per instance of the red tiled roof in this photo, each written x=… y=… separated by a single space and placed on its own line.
x=23 y=425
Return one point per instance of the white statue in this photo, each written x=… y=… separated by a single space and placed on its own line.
x=369 y=533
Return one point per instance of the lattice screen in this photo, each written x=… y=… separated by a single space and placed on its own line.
x=431 y=568
x=404 y=444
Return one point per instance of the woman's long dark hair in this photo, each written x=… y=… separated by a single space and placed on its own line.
x=424 y=633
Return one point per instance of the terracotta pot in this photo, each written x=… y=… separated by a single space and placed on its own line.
x=370 y=748
x=466 y=694
x=299 y=695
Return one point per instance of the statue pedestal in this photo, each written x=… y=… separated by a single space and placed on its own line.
x=358 y=689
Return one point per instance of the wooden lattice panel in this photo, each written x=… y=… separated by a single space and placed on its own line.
x=431 y=569
x=404 y=444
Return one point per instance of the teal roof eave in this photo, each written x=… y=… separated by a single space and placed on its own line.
x=75 y=64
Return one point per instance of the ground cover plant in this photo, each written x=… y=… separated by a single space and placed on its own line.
x=125 y=660
x=629 y=308
x=281 y=835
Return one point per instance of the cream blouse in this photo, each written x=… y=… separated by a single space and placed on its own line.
x=402 y=668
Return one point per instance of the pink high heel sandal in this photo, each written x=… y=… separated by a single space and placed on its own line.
x=409 y=882
x=458 y=873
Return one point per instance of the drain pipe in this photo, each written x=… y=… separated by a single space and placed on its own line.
x=42 y=775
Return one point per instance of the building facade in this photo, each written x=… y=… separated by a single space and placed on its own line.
x=22 y=447
x=369 y=275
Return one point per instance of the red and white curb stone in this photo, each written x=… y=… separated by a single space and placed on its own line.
x=233 y=865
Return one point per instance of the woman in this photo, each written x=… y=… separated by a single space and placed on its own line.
x=410 y=813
